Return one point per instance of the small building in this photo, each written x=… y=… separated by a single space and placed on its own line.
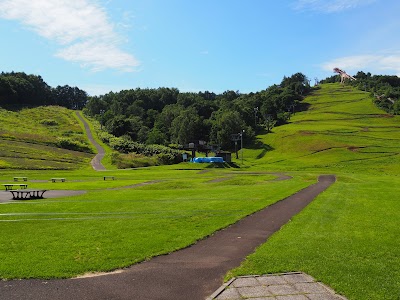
x=226 y=156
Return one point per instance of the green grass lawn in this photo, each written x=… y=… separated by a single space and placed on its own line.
x=107 y=229
x=347 y=237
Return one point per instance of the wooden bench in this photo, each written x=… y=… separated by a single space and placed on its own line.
x=22 y=178
x=27 y=194
x=57 y=179
x=109 y=177
x=10 y=186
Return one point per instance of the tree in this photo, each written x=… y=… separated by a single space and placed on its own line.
x=226 y=123
x=187 y=127
x=156 y=136
x=269 y=122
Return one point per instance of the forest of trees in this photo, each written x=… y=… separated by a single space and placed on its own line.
x=166 y=116
x=20 y=89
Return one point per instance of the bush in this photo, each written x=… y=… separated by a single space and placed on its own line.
x=49 y=122
x=132 y=160
x=166 y=158
x=70 y=144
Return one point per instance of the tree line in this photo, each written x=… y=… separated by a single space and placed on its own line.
x=167 y=116
x=20 y=89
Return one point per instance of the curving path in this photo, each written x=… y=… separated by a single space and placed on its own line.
x=96 y=161
x=191 y=273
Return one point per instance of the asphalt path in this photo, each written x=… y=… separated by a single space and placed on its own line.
x=96 y=161
x=191 y=273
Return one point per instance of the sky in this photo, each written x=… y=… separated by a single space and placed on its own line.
x=208 y=45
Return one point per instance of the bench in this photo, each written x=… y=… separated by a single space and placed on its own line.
x=27 y=194
x=57 y=179
x=109 y=177
x=10 y=186
x=22 y=178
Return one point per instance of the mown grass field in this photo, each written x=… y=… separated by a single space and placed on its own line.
x=114 y=225
x=346 y=238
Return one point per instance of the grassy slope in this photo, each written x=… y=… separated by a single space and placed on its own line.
x=26 y=142
x=348 y=237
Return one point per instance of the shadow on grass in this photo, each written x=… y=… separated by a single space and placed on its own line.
x=224 y=165
x=259 y=145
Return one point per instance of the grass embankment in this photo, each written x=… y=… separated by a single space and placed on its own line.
x=42 y=138
x=348 y=237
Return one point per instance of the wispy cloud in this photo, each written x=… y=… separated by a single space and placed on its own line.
x=388 y=62
x=81 y=28
x=329 y=6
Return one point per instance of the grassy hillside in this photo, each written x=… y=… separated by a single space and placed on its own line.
x=36 y=139
x=341 y=131
x=348 y=236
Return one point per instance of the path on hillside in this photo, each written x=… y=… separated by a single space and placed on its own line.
x=191 y=273
x=96 y=161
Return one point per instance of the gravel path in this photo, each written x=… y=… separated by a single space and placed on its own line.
x=96 y=161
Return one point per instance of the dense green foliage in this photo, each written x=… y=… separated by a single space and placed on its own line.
x=19 y=89
x=165 y=115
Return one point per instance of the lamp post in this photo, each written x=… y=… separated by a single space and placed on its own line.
x=241 y=143
x=102 y=111
x=255 y=116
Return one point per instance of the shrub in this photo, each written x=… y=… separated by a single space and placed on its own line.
x=70 y=144
x=49 y=122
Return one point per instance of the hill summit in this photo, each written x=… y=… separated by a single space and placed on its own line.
x=341 y=129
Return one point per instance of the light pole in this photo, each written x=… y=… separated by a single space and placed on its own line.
x=241 y=143
x=255 y=116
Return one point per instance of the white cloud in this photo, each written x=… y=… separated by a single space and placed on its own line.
x=80 y=27
x=329 y=6
x=376 y=63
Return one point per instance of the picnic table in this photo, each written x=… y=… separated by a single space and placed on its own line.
x=22 y=178
x=10 y=186
x=109 y=177
x=57 y=179
x=27 y=194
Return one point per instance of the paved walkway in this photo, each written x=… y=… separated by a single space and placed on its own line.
x=288 y=286
x=96 y=161
x=191 y=273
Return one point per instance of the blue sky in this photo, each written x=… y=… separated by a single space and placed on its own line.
x=214 y=45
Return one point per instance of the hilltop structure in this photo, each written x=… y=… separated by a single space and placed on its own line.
x=343 y=75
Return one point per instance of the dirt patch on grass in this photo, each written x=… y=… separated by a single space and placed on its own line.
x=306 y=132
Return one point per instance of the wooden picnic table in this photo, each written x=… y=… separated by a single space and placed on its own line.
x=22 y=178
x=10 y=186
x=109 y=177
x=27 y=194
x=57 y=179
